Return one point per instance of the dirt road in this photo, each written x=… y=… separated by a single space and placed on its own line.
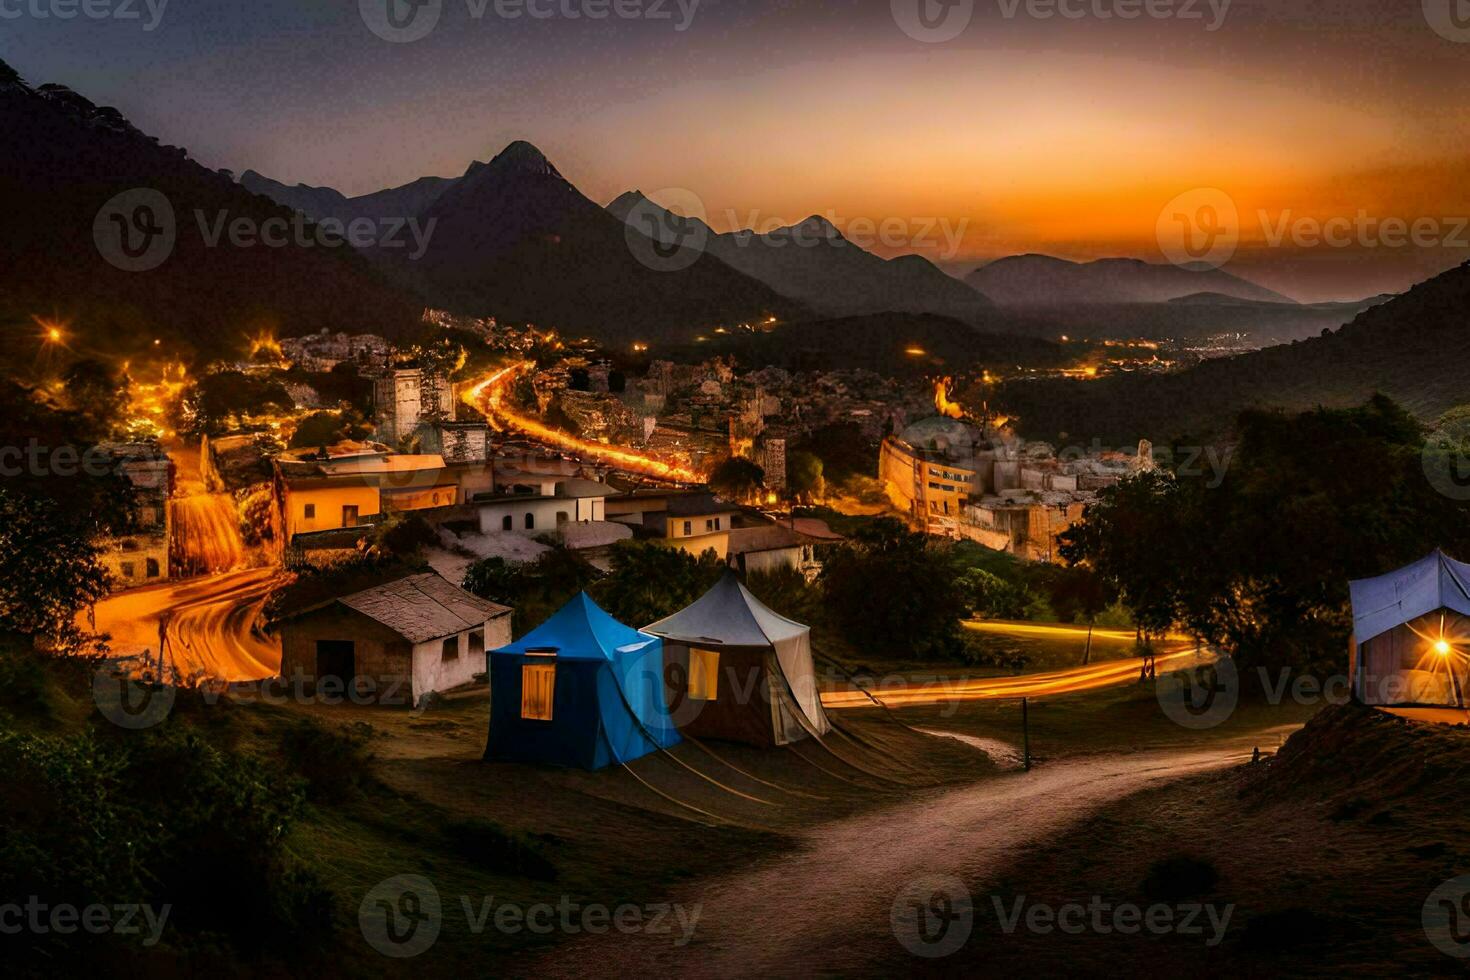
x=213 y=626
x=827 y=909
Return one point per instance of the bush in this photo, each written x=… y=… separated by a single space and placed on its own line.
x=498 y=850
x=334 y=763
x=163 y=818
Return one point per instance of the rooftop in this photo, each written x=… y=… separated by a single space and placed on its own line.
x=423 y=607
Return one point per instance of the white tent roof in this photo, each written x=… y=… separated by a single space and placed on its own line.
x=1434 y=582
x=728 y=615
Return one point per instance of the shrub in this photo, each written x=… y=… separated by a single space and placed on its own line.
x=334 y=763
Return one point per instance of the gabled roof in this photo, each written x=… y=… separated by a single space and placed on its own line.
x=698 y=504
x=423 y=607
x=768 y=537
x=727 y=615
x=580 y=630
x=1434 y=582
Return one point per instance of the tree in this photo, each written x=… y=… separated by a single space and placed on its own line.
x=327 y=428
x=1258 y=561
x=49 y=572
x=649 y=581
x=738 y=479
x=96 y=393
x=534 y=589
x=804 y=477
x=895 y=590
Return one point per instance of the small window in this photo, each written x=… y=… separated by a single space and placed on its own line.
x=349 y=515
x=310 y=512
x=538 y=690
x=507 y=523
x=152 y=567
x=704 y=674
x=477 y=642
x=450 y=649
x=129 y=569
x=688 y=528
x=709 y=525
x=530 y=522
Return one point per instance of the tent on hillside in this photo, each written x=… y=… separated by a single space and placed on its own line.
x=736 y=670
x=580 y=690
x=1411 y=635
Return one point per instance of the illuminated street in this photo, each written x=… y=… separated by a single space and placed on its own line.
x=213 y=632
x=489 y=395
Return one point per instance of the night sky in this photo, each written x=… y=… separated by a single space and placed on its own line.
x=1054 y=135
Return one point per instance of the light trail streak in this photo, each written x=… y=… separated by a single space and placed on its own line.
x=489 y=394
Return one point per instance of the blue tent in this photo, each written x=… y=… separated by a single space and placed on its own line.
x=579 y=690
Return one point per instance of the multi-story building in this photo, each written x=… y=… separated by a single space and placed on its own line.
x=141 y=557
x=930 y=472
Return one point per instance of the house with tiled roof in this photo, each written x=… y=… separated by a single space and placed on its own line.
x=392 y=644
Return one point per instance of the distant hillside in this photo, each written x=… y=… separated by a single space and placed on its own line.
x=1029 y=280
x=403 y=202
x=516 y=239
x=813 y=262
x=1191 y=318
x=885 y=343
x=62 y=159
x=1412 y=348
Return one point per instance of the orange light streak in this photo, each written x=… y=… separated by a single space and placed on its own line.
x=490 y=395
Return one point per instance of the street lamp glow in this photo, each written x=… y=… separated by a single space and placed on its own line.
x=1442 y=648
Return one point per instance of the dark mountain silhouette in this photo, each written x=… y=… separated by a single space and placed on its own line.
x=404 y=202
x=813 y=262
x=514 y=238
x=62 y=159
x=1030 y=280
x=1412 y=348
x=890 y=344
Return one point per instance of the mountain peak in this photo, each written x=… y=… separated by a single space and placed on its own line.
x=523 y=159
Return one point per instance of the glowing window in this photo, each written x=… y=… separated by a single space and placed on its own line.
x=704 y=674
x=538 y=689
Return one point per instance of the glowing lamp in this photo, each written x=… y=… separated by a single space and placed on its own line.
x=1442 y=648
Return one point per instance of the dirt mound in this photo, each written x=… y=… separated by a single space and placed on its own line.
x=1361 y=760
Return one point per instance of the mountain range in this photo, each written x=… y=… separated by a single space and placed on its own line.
x=813 y=262
x=1041 y=280
x=63 y=159
x=1410 y=347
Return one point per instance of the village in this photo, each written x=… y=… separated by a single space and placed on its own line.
x=434 y=565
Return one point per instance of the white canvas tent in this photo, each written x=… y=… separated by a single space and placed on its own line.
x=1411 y=637
x=737 y=670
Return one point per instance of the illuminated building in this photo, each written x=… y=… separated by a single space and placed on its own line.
x=142 y=557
